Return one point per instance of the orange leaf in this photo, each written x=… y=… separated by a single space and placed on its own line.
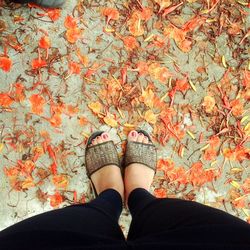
x=142 y=67
x=210 y=154
x=209 y=104
x=229 y=153
x=109 y=120
x=193 y=23
x=28 y=183
x=44 y=42
x=130 y=42
x=184 y=45
x=160 y=193
x=75 y=68
x=96 y=107
x=5 y=63
x=5 y=100
x=83 y=59
x=237 y=107
x=53 y=168
x=56 y=199
x=60 y=181
x=19 y=92
x=163 y=4
x=56 y=120
x=70 y=22
x=54 y=14
x=150 y=117
x=83 y=121
x=146 y=14
x=182 y=85
x=136 y=28
x=37 y=102
x=214 y=141
x=72 y=35
x=111 y=14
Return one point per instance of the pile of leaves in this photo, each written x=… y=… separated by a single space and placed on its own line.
x=179 y=68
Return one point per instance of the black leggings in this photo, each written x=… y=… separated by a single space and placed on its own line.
x=162 y=222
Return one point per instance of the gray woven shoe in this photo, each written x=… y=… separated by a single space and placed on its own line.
x=43 y=3
x=99 y=155
x=142 y=153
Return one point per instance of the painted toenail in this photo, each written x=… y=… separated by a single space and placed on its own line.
x=133 y=133
x=105 y=136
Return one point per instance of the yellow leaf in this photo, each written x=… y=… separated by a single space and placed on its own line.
x=235 y=184
x=192 y=85
x=85 y=134
x=150 y=117
x=149 y=38
x=28 y=183
x=247 y=129
x=223 y=59
x=96 y=107
x=205 y=147
x=109 y=120
x=60 y=181
x=242 y=2
x=148 y=97
x=191 y=134
x=127 y=125
x=244 y=118
x=121 y=113
x=1 y=147
x=108 y=30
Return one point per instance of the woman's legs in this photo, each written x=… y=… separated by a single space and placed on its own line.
x=89 y=224
x=175 y=221
x=179 y=221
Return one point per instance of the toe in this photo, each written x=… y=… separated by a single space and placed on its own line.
x=105 y=136
x=140 y=137
x=145 y=139
x=99 y=139
x=132 y=136
x=94 y=141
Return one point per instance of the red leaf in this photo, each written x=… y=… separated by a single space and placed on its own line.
x=38 y=63
x=5 y=63
x=44 y=42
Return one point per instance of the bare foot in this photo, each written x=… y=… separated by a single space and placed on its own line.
x=108 y=176
x=137 y=175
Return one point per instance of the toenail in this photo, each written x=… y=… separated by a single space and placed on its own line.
x=133 y=133
x=105 y=136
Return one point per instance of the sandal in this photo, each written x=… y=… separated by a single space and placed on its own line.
x=99 y=155
x=138 y=152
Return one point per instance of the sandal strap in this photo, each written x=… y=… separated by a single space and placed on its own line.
x=142 y=153
x=101 y=155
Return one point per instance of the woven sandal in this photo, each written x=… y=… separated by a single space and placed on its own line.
x=99 y=155
x=44 y=3
x=138 y=152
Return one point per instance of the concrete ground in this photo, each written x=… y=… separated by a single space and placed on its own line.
x=188 y=86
